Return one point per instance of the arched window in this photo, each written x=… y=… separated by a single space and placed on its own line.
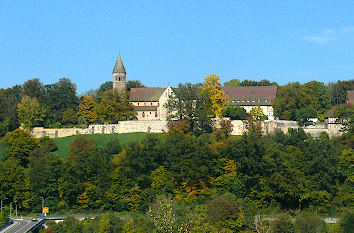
x=143 y=114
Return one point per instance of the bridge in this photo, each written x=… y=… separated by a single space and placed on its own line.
x=23 y=225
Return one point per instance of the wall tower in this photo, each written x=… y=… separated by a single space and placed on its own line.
x=119 y=76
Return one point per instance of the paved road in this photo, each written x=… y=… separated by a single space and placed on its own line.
x=20 y=226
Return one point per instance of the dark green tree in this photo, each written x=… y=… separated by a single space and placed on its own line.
x=61 y=96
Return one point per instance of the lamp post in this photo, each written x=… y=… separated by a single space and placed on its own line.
x=16 y=207
x=2 y=200
x=11 y=209
x=42 y=204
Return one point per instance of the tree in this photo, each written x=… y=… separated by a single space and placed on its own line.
x=105 y=225
x=257 y=114
x=30 y=112
x=310 y=224
x=338 y=91
x=88 y=109
x=235 y=112
x=161 y=214
x=14 y=185
x=102 y=89
x=190 y=103
x=290 y=98
x=224 y=212
x=317 y=95
x=9 y=99
x=34 y=88
x=69 y=117
x=21 y=143
x=304 y=114
x=114 y=108
x=216 y=95
x=134 y=84
x=232 y=83
x=61 y=96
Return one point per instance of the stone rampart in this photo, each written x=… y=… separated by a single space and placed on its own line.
x=239 y=127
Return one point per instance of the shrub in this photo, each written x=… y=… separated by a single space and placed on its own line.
x=310 y=224
x=283 y=224
x=346 y=224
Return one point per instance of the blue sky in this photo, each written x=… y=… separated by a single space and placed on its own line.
x=168 y=42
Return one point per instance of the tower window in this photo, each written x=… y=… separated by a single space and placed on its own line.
x=119 y=78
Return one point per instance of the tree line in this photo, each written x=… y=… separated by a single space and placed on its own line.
x=195 y=178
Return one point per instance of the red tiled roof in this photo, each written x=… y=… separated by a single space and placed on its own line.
x=146 y=94
x=251 y=95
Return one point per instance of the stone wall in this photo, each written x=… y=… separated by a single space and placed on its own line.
x=121 y=127
x=239 y=127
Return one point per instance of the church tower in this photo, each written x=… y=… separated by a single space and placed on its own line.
x=119 y=74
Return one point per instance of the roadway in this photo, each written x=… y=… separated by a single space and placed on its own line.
x=21 y=225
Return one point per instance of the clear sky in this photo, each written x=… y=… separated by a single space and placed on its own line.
x=164 y=42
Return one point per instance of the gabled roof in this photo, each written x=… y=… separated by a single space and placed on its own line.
x=251 y=95
x=350 y=97
x=146 y=94
x=119 y=67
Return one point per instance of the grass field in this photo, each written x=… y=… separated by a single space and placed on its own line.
x=99 y=139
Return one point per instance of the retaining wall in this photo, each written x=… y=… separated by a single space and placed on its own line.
x=239 y=127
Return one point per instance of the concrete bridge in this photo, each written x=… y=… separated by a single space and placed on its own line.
x=23 y=225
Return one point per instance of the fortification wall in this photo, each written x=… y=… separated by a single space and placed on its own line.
x=239 y=127
x=121 y=127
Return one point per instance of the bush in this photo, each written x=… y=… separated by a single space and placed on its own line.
x=310 y=224
x=235 y=113
x=283 y=224
x=346 y=224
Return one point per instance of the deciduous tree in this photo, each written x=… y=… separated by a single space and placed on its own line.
x=30 y=112
x=88 y=109
x=216 y=95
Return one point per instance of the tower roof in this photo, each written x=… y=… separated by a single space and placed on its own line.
x=119 y=67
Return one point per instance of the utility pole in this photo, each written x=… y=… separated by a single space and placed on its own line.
x=11 y=209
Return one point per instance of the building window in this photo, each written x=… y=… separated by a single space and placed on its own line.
x=151 y=103
x=138 y=104
x=150 y=113
x=144 y=104
x=143 y=114
x=155 y=114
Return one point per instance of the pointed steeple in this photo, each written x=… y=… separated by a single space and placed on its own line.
x=119 y=67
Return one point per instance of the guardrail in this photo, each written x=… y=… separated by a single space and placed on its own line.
x=38 y=224
x=7 y=224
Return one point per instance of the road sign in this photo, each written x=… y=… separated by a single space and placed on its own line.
x=45 y=210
